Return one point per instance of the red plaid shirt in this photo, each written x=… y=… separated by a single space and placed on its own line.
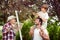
x=8 y=35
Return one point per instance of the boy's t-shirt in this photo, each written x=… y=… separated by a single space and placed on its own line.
x=45 y=16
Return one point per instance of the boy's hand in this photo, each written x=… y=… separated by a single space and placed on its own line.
x=41 y=31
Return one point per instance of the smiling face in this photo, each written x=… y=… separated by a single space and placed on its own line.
x=13 y=21
x=36 y=21
x=43 y=9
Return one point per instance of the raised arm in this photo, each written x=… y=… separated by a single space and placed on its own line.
x=43 y=18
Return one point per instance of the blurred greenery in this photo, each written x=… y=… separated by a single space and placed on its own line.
x=25 y=9
x=25 y=30
x=24 y=16
x=53 y=29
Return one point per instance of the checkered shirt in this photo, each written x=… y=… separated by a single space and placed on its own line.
x=8 y=35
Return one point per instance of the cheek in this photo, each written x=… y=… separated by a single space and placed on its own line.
x=42 y=9
x=36 y=21
x=13 y=20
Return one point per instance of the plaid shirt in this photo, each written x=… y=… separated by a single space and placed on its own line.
x=8 y=35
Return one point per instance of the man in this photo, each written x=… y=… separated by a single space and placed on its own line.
x=8 y=29
x=38 y=32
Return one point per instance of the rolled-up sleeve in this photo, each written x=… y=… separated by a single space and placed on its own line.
x=46 y=17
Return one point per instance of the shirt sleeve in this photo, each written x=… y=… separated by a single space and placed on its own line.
x=46 y=17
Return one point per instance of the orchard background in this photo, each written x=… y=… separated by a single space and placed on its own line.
x=25 y=9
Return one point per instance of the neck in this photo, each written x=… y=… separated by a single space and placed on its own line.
x=38 y=25
x=43 y=11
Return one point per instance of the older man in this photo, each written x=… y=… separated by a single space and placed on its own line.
x=8 y=29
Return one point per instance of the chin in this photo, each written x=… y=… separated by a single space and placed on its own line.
x=35 y=23
x=14 y=23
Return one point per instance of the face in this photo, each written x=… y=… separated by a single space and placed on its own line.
x=36 y=21
x=42 y=9
x=13 y=21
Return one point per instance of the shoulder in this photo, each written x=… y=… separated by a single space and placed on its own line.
x=32 y=27
x=6 y=25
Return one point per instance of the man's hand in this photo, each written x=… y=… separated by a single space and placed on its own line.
x=8 y=29
x=17 y=27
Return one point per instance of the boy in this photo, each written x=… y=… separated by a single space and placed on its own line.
x=43 y=15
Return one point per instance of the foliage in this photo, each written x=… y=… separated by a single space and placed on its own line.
x=54 y=30
x=1 y=19
x=17 y=36
x=8 y=7
x=0 y=37
x=25 y=30
x=26 y=7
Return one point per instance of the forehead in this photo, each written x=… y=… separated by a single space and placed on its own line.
x=13 y=19
x=36 y=19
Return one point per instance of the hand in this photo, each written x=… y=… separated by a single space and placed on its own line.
x=41 y=31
